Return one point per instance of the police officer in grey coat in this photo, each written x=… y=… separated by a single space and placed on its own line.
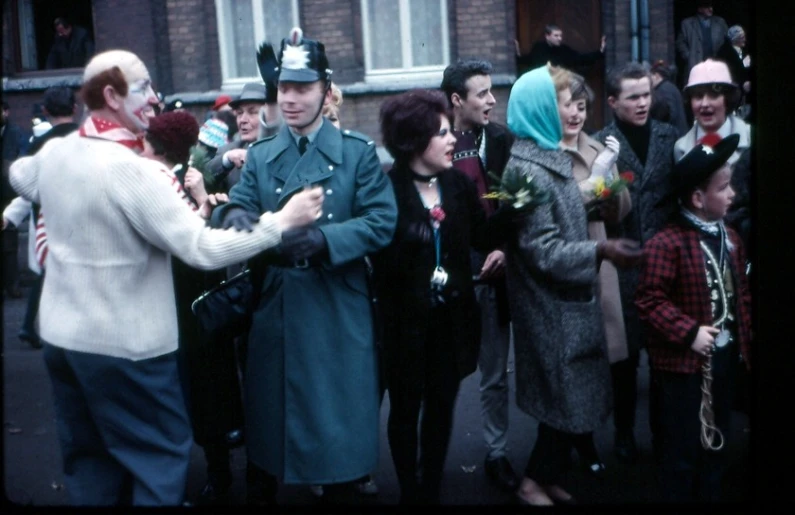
x=312 y=392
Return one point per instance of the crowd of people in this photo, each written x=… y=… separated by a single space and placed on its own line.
x=401 y=283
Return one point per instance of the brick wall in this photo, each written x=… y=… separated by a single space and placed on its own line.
x=121 y=24
x=193 y=43
x=663 y=30
x=485 y=29
x=336 y=23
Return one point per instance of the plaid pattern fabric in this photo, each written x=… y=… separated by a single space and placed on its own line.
x=673 y=297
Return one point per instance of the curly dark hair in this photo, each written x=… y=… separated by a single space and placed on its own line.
x=410 y=120
x=172 y=135
x=456 y=76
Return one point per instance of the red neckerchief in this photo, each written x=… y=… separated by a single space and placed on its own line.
x=100 y=128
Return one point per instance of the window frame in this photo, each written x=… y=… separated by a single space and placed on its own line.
x=225 y=53
x=20 y=38
x=410 y=72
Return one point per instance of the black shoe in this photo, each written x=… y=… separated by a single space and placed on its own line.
x=626 y=449
x=212 y=494
x=30 y=338
x=501 y=473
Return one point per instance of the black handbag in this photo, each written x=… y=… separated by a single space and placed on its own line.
x=225 y=311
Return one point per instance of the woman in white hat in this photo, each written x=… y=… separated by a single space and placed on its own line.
x=713 y=97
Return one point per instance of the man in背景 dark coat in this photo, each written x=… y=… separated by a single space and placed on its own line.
x=228 y=177
x=71 y=52
x=689 y=43
x=651 y=184
x=312 y=390
x=561 y=55
x=668 y=100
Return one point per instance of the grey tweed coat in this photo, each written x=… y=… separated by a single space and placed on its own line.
x=652 y=184
x=562 y=370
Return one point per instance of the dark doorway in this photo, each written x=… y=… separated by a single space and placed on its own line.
x=44 y=13
x=581 y=23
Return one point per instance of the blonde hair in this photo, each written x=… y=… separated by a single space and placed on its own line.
x=561 y=77
x=336 y=101
x=336 y=95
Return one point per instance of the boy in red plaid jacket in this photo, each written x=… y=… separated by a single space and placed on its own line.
x=693 y=296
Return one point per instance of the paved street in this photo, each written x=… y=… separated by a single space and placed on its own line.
x=32 y=464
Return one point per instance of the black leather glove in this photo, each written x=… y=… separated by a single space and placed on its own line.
x=240 y=219
x=303 y=243
x=419 y=232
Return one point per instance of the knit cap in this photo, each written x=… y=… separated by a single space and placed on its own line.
x=213 y=133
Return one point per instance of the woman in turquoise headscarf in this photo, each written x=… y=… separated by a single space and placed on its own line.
x=562 y=370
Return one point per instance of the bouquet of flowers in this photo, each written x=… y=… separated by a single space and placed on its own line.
x=517 y=189
x=604 y=190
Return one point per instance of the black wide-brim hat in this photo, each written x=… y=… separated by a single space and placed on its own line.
x=700 y=163
x=302 y=59
x=252 y=92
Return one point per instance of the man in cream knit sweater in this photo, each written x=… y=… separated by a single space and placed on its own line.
x=107 y=308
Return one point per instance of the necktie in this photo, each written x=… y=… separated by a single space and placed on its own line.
x=302 y=143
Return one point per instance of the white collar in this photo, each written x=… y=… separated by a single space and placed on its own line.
x=724 y=131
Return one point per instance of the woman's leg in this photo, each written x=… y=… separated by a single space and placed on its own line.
x=404 y=412
x=550 y=459
x=441 y=391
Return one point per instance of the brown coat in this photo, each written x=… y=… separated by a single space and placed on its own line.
x=610 y=295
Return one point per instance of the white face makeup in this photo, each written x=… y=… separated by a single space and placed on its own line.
x=139 y=104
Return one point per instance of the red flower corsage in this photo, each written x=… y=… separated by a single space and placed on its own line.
x=710 y=140
x=437 y=214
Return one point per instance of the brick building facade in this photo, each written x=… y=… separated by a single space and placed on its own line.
x=182 y=43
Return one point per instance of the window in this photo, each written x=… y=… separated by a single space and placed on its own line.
x=242 y=26
x=405 y=37
x=35 y=35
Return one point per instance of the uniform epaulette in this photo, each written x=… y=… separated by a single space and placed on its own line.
x=262 y=140
x=358 y=135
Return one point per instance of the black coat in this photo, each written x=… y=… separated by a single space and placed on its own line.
x=562 y=55
x=402 y=273
x=499 y=141
x=729 y=55
x=669 y=107
x=71 y=52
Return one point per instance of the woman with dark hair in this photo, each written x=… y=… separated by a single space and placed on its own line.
x=424 y=285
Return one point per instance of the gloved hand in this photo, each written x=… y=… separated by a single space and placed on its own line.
x=419 y=232
x=606 y=159
x=303 y=243
x=621 y=252
x=240 y=219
